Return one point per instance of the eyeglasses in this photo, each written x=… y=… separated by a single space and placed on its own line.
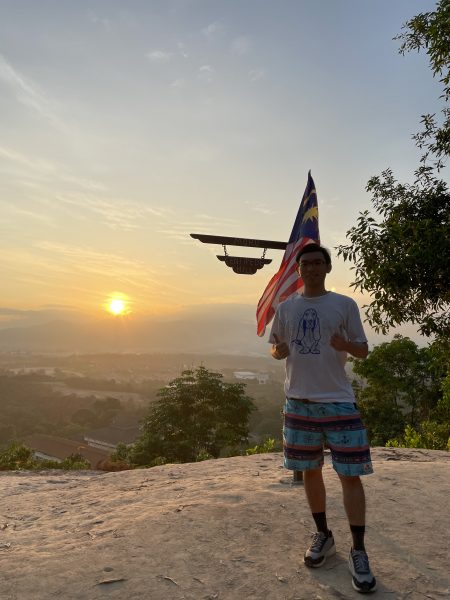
x=303 y=264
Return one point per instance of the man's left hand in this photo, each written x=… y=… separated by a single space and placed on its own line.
x=338 y=342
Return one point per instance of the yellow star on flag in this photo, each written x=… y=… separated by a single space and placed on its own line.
x=311 y=213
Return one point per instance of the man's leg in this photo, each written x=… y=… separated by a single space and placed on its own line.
x=316 y=495
x=350 y=452
x=355 y=507
x=315 y=489
x=323 y=542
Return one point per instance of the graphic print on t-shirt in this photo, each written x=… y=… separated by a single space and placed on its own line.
x=308 y=333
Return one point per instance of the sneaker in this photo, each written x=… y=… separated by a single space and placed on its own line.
x=362 y=579
x=322 y=546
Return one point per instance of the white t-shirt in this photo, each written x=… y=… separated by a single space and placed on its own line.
x=314 y=370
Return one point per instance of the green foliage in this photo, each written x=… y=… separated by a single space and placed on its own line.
x=101 y=413
x=30 y=407
x=18 y=457
x=434 y=431
x=444 y=403
x=401 y=259
x=75 y=462
x=401 y=256
x=120 y=453
x=203 y=455
x=84 y=417
x=269 y=445
x=269 y=399
x=431 y=32
x=430 y=434
x=196 y=416
x=403 y=399
x=382 y=418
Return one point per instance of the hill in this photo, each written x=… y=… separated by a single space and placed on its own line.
x=227 y=529
x=224 y=330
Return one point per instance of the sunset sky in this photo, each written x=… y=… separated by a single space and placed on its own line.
x=125 y=126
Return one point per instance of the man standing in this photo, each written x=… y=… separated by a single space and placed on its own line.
x=314 y=331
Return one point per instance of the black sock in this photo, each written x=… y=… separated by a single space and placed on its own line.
x=358 y=536
x=321 y=522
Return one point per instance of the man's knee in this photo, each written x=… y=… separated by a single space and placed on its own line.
x=313 y=473
x=350 y=480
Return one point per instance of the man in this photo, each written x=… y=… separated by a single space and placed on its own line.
x=314 y=331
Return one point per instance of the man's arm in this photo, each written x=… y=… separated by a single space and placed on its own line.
x=279 y=350
x=356 y=349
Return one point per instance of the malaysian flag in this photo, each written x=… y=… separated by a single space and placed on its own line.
x=287 y=281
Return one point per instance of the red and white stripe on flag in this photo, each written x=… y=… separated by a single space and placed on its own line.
x=282 y=285
x=287 y=281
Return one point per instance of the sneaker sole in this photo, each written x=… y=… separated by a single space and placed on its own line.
x=364 y=589
x=315 y=565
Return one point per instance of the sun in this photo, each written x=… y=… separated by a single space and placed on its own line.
x=118 y=305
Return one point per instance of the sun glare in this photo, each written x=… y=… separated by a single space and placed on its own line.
x=118 y=305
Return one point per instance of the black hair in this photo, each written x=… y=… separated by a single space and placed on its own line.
x=314 y=248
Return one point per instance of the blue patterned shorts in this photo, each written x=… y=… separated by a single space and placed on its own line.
x=307 y=425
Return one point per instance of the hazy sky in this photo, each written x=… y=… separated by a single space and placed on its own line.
x=125 y=126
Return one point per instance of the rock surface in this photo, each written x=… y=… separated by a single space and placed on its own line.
x=228 y=529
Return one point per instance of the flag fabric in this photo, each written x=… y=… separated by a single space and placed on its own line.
x=287 y=281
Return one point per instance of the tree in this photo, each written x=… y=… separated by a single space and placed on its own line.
x=401 y=257
x=197 y=416
x=402 y=395
x=84 y=416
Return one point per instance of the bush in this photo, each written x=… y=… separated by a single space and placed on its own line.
x=16 y=457
x=269 y=445
x=430 y=434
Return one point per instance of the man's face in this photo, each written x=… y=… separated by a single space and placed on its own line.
x=313 y=268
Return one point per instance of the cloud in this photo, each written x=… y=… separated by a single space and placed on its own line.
x=178 y=83
x=159 y=56
x=28 y=94
x=116 y=214
x=241 y=45
x=256 y=75
x=36 y=165
x=102 y=21
x=85 y=194
x=211 y=30
x=38 y=174
x=85 y=184
x=14 y=210
x=261 y=208
x=4 y=310
x=200 y=223
x=10 y=317
x=206 y=73
x=82 y=259
x=182 y=48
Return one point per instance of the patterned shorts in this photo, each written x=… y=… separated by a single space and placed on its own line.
x=308 y=424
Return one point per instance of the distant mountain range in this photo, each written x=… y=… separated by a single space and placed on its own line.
x=195 y=334
x=219 y=328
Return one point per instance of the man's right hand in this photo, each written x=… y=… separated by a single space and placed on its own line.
x=280 y=349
